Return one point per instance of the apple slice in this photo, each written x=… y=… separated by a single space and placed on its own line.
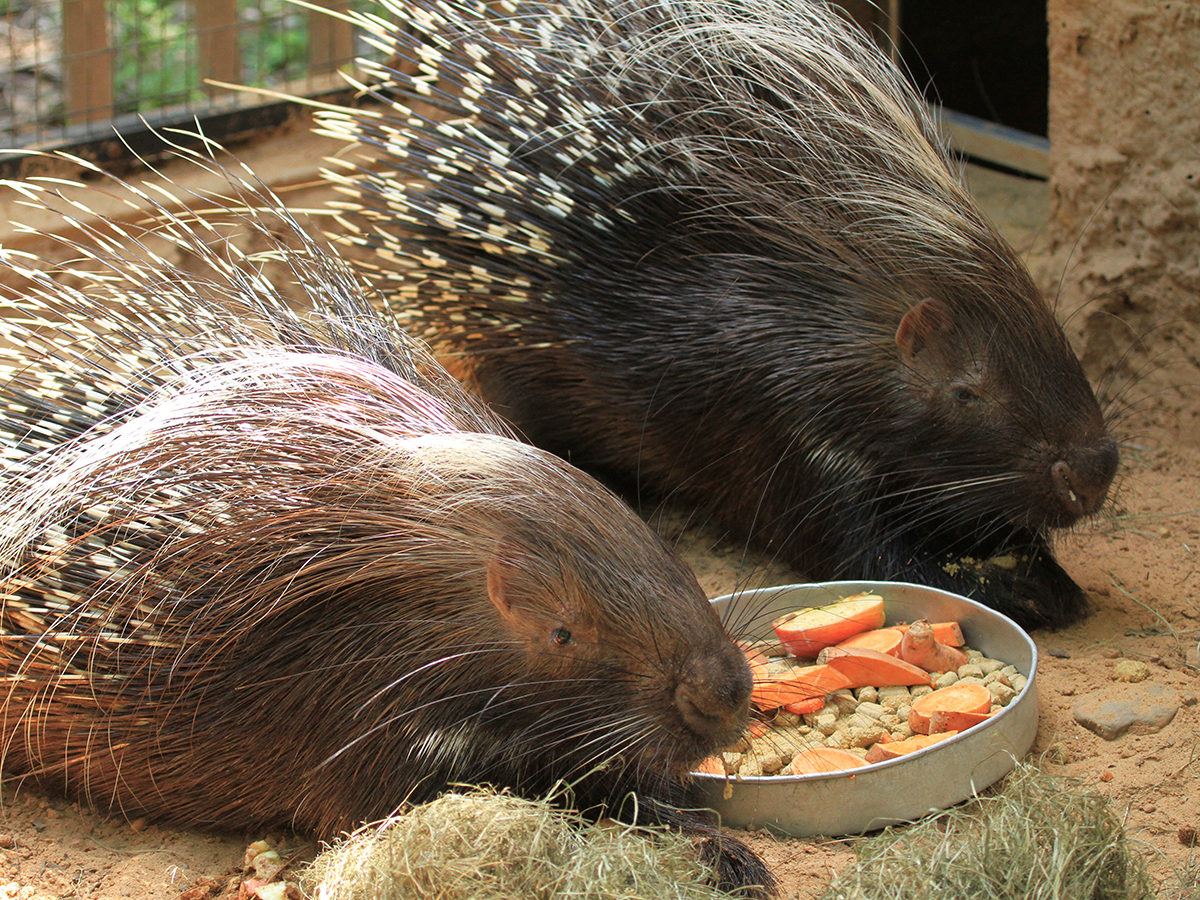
x=806 y=632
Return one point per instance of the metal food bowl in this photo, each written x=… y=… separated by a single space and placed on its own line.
x=898 y=790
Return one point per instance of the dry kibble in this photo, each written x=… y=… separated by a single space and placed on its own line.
x=772 y=763
x=988 y=666
x=971 y=670
x=826 y=723
x=870 y=710
x=945 y=680
x=1018 y=682
x=844 y=700
x=1001 y=693
x=867 y=694
x=894 y=697
x=920 y=691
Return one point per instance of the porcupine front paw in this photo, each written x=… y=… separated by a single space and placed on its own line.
x=1024 y=582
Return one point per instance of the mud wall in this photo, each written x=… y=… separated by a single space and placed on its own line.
x=1124 y=229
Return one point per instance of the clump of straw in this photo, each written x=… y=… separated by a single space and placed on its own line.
x=484 y=845
x=1039 y=838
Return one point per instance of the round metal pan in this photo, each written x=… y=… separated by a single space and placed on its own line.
x=898 y=790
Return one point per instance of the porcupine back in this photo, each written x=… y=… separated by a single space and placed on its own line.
x=263 y=568
x=719 y=250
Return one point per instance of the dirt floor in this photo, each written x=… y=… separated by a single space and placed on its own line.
x=1138 y=562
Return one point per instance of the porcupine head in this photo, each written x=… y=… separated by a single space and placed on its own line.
x=720 y=251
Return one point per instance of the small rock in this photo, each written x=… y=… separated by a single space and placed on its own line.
x=1130 y=670
x=1110 y=653
x=1144 y=709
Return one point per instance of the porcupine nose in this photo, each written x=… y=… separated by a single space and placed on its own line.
x=713 y=697
x=1082 y=477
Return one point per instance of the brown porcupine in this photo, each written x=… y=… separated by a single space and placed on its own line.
x=263 y=569
x=718 y=250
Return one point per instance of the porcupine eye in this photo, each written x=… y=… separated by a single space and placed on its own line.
x=561 y=637
x=963 y=395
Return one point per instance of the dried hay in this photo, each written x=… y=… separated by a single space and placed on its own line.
x=1039 y=838
x=484 y=845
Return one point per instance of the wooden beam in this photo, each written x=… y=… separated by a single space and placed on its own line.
x=330 y=39
x=217 y=34
x=87 y=61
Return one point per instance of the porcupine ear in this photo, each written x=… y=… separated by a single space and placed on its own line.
x=924 y=326
x=501 y=574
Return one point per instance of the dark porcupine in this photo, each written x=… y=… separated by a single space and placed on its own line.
x=717 y=250
x=238 y=540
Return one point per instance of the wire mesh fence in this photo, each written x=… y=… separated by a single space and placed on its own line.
x=71 y=70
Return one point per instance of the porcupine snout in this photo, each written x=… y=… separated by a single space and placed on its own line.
x=713 y=695
x=1081 y=477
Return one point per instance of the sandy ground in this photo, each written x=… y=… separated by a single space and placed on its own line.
x=1138 y=562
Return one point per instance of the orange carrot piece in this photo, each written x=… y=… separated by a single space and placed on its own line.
x=893 y=749
x=884 y=640
x=800 y=684
x=955 y=719
x=805 y=632
x=711 y=765
x=870 y=667
x=919 y=647
x=969 y=698
x=948 y=633
x=756 y=728
x=802 y=707
x=823 y=759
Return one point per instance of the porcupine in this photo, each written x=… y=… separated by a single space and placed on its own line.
x=264 y=569
x=719 y=251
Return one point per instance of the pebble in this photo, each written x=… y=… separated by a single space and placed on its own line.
x=1144 y=709
x=1131 y=670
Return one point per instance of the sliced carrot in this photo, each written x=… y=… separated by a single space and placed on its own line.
x=968 y=698
x=893 y=749
x=870 y=667
x=919 y=647
x=823 y=759
x=885 y=640
x=711 y=765
x=798 y=685
x=803 y=707
x=948 y=633
x=955 y=719
x=806 y=632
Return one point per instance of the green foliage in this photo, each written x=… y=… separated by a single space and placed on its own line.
x=157 y=56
